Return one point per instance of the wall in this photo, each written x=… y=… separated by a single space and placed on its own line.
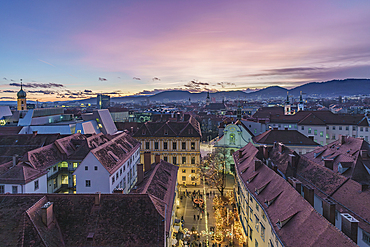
x=43 y=185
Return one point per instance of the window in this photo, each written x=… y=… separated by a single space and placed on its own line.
x=165 y=158
x=361 y=128
x=113 y=180
x=354 y=128
x=262 y=232
x=166 y=131
x=250 y=232
x=250 y=214
x=36 y=185
x=64 y=179
x=15 y=189
x=183 y=145
x=117 y=175
x=193 y=160
x=257 y=207
x=340 y=127
x=55 y=181
x=86 y=168
x=192 y=178
x=192 y=171
x=183 y=170
x=315 y=132
x=155 y=145
x=174 y=161
x=255 y=243
x=302 y=128
x=165 y=145
x=257 y=223
x=147 y=145
x=174 y=145
x=55 y=168
x=321 y=134
x=309 y=130
x=88 y=183
x=183 y=178
x=95 y=168
x=365 y=238
x=75 y=164
x=2 y=189
x=192 y=145
x=333 y=127
x=333 y=137
x=327 y=136
x=120 y=171
x=347 y=128
x=144 y=132
x=183 y=160
x=367 y=129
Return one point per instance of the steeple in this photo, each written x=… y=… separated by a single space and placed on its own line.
x=287 y=107
x=300 y=103
x=21 y=99
x=208 y=100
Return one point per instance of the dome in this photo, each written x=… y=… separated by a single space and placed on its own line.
x=21 y=94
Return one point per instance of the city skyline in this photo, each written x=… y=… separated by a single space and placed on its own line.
x=72 y=50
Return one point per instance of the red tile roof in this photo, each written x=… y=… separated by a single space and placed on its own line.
x=119 y=220
x=305 y=227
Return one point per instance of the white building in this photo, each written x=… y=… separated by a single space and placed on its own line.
x=109 y=166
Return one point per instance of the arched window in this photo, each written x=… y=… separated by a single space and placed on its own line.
x=232 y=139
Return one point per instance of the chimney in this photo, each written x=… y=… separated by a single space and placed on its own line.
x=329 y=163
x=363 y=154
x=34 y=133
x=132 y=129
x=296 y=184
x=281 y=147
x=309 y=194
x=147 y=160
x=47 y=213
x=240 y=153
x=265 y=152
x=328 y=210
x=140 y=173
x=257 y=164
x=342 y=139
x=157 y=158
x=364 y=187
x=15 y=159
x=349 y=226
x=118 y=191
x=97 y=198
x=293 y=160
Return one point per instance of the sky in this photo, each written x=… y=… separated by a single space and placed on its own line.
x=65 y=50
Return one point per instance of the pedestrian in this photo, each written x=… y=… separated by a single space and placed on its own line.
x=194 y=216
x=198 y=216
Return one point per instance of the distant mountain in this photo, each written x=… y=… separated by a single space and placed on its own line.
x=334 y=88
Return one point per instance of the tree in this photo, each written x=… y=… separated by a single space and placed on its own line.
x=213 y=168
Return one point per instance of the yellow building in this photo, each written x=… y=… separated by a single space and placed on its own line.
x=21 y=99
x=177 y=142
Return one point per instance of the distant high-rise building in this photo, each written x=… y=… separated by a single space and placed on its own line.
x=21 y=99
x=103 y=101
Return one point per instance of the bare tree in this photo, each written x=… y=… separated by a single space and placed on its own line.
x=213 y=168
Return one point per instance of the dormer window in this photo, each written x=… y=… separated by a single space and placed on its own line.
x=166 y=131
x=113 y=156
x=144 y=132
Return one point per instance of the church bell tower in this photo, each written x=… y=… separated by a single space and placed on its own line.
x=21 y=99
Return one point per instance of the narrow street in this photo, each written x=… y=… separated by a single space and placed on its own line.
x=196 y=221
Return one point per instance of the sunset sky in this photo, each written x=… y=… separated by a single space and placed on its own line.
x=73 y=49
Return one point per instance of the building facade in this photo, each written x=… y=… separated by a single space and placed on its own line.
x=177 y=142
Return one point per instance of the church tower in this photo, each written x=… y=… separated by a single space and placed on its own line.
x=21 y=99
x=300 y=103
x=208 y=100
x=287 y=107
